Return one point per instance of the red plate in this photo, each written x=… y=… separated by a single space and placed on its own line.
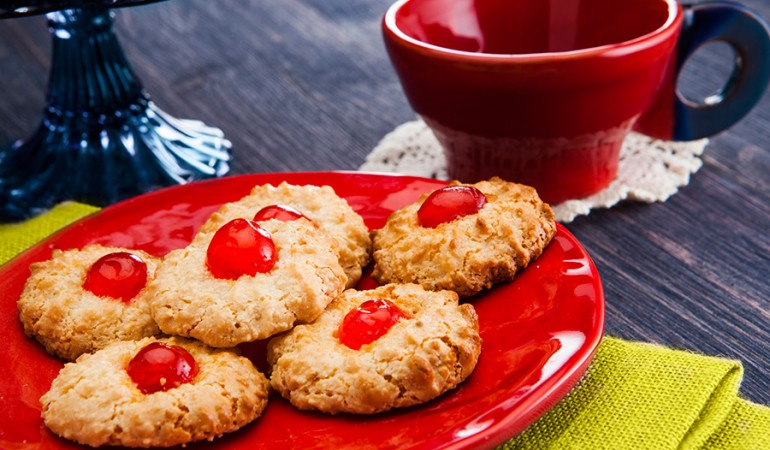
x=539 y=332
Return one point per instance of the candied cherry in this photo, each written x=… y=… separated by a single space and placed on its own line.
x=368 y=322
x=160 y=367
x=447 y=204
x=279 y=212
x=240 y=247
x=119 y=275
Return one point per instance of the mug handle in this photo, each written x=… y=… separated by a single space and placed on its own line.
x=749 y=36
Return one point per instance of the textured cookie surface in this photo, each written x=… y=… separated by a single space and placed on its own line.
x=330 y=213
x=95 y=402
x=470 y=253
x=419 y=358
x=187 y=300
x=69 y=320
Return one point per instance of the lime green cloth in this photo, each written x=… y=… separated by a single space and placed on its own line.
x=633 y=396
x=15 y=238
x=643 y=396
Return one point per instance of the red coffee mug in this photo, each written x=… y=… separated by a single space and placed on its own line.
x=543 y=92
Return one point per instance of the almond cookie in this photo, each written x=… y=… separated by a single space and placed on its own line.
x=464 y=237
x=321 y=205
x=205 y=291
x=154 y=393
x=374 y=350
x=81 y=300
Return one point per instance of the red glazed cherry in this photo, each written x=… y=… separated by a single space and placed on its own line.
x=447 y=204
x=160 y=367
x=118 y=275
x=368 y=322
x=240 y=247
x=279 y=212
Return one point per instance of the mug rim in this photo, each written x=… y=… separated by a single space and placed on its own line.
x=675 y=13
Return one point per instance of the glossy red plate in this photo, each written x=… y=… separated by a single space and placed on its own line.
x=539 y=332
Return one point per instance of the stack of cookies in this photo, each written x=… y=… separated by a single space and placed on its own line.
x=154 y=340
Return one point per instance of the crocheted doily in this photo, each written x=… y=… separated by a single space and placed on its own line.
x=650 y=170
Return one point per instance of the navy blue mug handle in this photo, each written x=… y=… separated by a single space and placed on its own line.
x=749 y=36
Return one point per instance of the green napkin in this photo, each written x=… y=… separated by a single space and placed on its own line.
x=15 y=238
x=633 y=396
x=644 y=396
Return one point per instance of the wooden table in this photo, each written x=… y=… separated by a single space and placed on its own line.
x=306 y=85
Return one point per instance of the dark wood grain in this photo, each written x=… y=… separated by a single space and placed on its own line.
x=306 y=85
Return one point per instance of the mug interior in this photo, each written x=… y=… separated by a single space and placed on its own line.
x=528 y=26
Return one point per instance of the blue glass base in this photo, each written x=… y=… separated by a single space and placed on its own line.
x=102 y=139
x=134 y=151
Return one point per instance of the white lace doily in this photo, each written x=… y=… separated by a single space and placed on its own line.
x=650 y=170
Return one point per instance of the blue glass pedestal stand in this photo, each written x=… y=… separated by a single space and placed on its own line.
x=101 y=138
